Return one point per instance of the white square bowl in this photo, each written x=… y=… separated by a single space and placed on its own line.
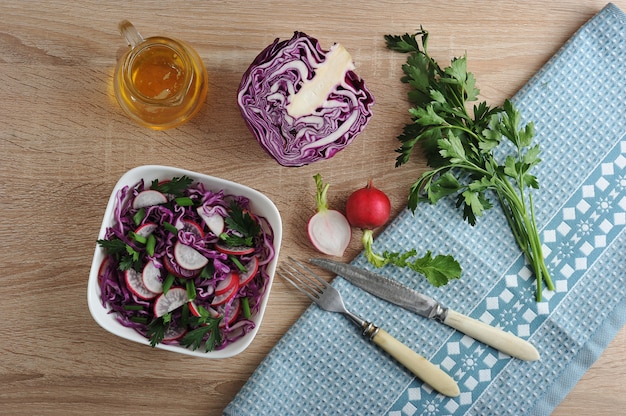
x=259 y=204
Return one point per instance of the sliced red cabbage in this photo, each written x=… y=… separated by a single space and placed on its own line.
x=303 y=103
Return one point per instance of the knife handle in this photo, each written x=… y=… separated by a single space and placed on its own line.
x=501 y=340
x=420 y=366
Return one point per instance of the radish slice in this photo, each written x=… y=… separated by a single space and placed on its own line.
x=215 y=222
x=330 y=232
x=234 y=251
x=151 y=277
x=227 y=283
x=193 y=308
x=172 y=267
x=134 y=282
x=146 y=229
x=233 y=312
x=148 y=198
x=193 y=227
x=252 y=267
x=175 y=298
x=172 y=333
x=188 y=257
x=103 y=268
x=225 y=297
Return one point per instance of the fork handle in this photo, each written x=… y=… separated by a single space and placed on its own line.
x=420 y=366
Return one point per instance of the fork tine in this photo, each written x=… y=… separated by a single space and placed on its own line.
x=308 y=283
x=318 y=282
x=302 y=287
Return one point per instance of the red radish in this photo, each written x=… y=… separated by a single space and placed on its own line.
x=148 y=198
x=234 y=251
x=146 y=229
x=165 y=303
x=193 y=227
x=103 y=268
x=172 y=333
x=233 y=312
x=227 y=283
x=172 y=267
x=135 y=285
x=329 y=230
x=215 y=222
x=193 y=308
x=151 y=277
x=188 y=257
x=368 y=208
x=225 y=297
x=252 y=267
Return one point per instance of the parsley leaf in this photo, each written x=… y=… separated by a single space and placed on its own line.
x=438 y=270
x=176 y=186
x=243 y=227
x=207 y=331
x=126 y=256
x=459 y=145
x=156 y=331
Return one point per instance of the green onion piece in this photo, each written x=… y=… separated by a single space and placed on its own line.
x=133 y=307
x=139 y=319
x=150 y=245
x=138 y=238
x=184 y=201
x=139 y=216
x=191 y=289
x=169 y=227
x=168 y=282
x=245 y=306
x=184 y=319
x=240 y=266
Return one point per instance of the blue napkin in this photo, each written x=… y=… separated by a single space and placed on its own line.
x=323 y=366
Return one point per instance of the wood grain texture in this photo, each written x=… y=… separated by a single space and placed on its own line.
x=64 y=142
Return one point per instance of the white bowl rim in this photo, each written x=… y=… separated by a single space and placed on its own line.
x=260 y=204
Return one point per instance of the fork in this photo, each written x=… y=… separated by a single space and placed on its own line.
x=329 y=299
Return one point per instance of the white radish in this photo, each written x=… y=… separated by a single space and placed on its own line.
x=146 y=229
x=167 y=302
x=252 y=267
x=192 y=227
x=148 y=198
x=233 y=312
x=233 y=251
x=174 y=332
x=134 y=282
x=188 y=257
x=225 y=297
x=329 y=230
x=227 y=283
x=151 y=277
x=214 y=221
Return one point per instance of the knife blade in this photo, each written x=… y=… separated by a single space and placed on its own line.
x=414 y=301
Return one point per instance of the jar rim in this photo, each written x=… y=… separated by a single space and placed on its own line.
x=159 y=41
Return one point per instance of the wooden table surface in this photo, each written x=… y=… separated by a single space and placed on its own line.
x=64 y=142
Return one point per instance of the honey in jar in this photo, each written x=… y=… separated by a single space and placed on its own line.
x=160 y=82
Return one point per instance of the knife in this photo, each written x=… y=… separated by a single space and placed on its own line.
x=395 y=292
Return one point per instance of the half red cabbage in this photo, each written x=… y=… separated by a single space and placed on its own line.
x=302 y=136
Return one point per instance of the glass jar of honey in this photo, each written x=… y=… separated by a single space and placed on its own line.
x=160 y=82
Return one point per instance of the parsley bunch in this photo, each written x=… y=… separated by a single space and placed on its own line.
x=460 y=144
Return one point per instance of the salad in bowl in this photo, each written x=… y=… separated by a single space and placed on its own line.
x=184 y=261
